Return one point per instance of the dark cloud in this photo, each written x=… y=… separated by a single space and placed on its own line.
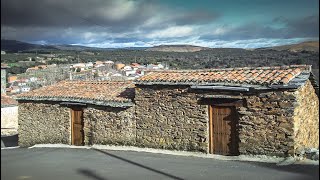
x=307 y=27
x=114 y=15
x=304 y=27
x=48 y=20
x=129 y=21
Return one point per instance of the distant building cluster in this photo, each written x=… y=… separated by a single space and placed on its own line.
x=34 y=77
x=109 y=70
x=43 y=75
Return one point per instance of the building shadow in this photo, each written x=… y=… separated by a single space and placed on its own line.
x=90 y=174
x=306 y=171
x=9 y=141
x=139 y=165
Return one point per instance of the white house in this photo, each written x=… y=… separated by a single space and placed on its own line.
x=33 y=79
x=130 y=72
x=116 y=75
x=127 y=68
x=160 y=66
x=22 y=83
x=25 y=89
x=89 y=65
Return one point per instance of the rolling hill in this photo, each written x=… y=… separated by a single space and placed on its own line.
x=177 y=48
x=310 y=46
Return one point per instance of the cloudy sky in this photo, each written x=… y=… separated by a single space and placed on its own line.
x=136 y=23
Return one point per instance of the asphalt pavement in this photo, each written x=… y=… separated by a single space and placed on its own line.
x=94 y=164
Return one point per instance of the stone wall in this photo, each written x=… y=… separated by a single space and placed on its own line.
x=174 y=118
x=108 y=125
x=41 y=123
x=9 y=120
x=306 y=119
x=266 y=123
x=170 y=118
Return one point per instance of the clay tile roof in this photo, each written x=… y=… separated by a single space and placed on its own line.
x=264 y=76
x=107 y=93
x=7 y=101
x=4 y=66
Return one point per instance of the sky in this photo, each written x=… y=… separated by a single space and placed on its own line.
x=145 y=23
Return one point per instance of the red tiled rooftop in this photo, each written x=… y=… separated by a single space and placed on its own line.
x=7 y=101
x=3 y=66
x=248 y=75
x=84 y=91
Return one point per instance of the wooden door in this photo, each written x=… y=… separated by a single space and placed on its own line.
x=77 y=127
x=223 y=130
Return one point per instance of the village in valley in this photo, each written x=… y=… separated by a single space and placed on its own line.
x=42 y=75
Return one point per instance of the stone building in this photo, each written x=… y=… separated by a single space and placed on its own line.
x=266 y=110
x=77 y=113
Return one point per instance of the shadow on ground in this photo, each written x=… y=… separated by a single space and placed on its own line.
x=9 y=141
x=91 y=174
x=307 y=172
x=139 y=165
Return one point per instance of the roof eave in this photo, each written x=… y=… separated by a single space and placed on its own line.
x=85 y=101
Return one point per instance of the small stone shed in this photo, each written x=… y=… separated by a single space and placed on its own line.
x=78 y=113
x=265 y=110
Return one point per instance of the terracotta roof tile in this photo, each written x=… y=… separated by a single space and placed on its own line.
x=248 y=75
x=105 y=91
x=7 y=101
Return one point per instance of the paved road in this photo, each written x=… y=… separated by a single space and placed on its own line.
x=91 y=164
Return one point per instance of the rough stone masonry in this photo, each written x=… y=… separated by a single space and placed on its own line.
x=278 y=122
x=270 y=122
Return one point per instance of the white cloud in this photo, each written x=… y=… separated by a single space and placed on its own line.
x=118 y=10
x=251 y=43
x=220 y=30
x=171 y=32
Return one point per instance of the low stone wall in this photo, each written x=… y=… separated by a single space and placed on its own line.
x=9 y=120
x=306 y=119
x=108 y=125
x=41 y=123
x=170 y=118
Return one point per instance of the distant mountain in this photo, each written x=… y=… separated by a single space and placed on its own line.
x=310 y=46
x=15 y=46
x=177 y=48
x=78 y=48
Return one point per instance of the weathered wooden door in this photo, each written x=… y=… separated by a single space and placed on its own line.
x=223 y=130
x=77 y=127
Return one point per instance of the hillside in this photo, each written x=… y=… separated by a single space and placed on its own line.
x=310 y=46
x=177 y=48
x=15 y=46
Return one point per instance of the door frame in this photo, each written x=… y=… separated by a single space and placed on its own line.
x=72 y=109
x=228 y=102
